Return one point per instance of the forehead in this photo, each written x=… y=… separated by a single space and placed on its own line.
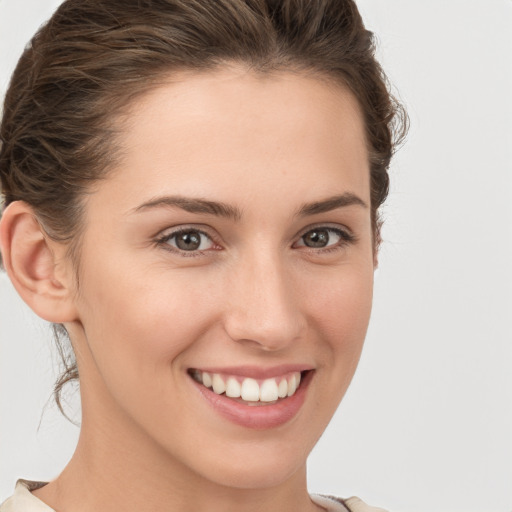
x=241 y=130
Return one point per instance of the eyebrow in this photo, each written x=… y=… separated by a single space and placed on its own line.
x=193 y=205
x=203 y=206
x=331 y=203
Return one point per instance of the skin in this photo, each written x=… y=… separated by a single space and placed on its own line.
x=256 y=295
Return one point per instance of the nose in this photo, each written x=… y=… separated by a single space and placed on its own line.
x=263 y=308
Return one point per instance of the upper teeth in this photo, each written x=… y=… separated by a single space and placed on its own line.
x=251 y=390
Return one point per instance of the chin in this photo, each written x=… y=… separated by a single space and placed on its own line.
x=258 y=474
x=257 y=463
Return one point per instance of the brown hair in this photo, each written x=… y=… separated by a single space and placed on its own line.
x=94 y=57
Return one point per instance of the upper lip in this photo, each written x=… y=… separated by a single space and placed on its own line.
x=256 y=372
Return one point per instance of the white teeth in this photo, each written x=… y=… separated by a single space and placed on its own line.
x=269 y=391
x=207 y=380
x=293 y=383
x=218 y=384
x=233 y=388
x=282 y=390
x=250 y=390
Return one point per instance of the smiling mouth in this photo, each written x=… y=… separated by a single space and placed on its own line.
x=248 y=390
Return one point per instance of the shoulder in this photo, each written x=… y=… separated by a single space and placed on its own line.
x=357 y=505
x=23 y=500
x=334 y=504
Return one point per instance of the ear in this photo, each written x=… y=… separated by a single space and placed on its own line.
x=37 y=266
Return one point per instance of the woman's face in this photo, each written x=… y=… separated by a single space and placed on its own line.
x=232 y=245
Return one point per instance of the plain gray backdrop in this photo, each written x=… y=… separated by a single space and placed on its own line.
x=427 y=423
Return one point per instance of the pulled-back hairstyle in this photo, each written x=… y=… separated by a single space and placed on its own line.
x=92 y=59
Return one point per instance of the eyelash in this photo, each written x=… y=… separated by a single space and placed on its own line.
x=346 y=238
x=163 y=242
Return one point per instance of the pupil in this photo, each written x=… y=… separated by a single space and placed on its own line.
x=189 y=241
x=318 y=238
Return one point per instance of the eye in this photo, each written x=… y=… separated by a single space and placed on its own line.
x=188 y=240
x=324 y=237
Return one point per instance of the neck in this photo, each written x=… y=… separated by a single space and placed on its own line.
x=110 y=474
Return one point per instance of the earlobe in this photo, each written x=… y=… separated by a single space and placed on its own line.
x=36 y=265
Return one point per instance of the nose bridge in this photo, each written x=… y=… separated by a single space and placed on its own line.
x=263 y=308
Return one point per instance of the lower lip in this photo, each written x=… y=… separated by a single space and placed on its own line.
x=258 y=417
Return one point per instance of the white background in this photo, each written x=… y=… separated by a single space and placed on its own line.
x=427 y=423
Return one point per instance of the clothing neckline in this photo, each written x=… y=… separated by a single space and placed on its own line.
x=24 y=500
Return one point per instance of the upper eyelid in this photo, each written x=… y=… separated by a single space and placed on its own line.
x=169 y=233
x=326 y=225
x=176 y=230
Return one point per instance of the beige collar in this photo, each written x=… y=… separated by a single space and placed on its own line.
x=24 y=501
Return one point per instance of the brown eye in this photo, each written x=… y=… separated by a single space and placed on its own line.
x=189 y=240
x=316 y=238
x=325 y=237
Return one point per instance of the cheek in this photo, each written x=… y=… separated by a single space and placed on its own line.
x=341 y=303
x=339 y=313
x=138 y=329
x=137 y=321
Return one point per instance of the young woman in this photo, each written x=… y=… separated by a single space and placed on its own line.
x=191 y=193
